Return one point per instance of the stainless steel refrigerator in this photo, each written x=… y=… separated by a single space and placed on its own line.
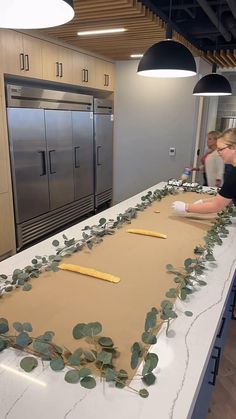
x=227 y=122
x=52 y=158
x=103 y=140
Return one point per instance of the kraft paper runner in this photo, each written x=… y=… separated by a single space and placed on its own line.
x=58 y=301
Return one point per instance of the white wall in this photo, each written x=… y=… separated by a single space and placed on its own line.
x=151 y=115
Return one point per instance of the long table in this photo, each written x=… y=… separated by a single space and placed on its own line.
x=183 y=355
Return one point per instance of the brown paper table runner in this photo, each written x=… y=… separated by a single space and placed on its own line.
x=60 y=300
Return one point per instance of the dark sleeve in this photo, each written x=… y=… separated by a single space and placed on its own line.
x=228 y=189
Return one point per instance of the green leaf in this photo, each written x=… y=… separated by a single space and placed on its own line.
x=146 y=367
x=18 y=327
x=55 y=243
x=171 y=293
x=110 y=375
x=28 y=363
x=23 y=339
x=188 y=313
x=143 y=393
x=57 y=364
x=88 y=382
x=150 y=321
x=202 y=283
x=2 y=344
x=84 y=372
x=149 y=379
x=27 y=287
x=78 y=331
x=134 y=360
x=105 y=341
x=74 y=360
x=72 y=377
x=27 y=327
x=153 y=359
x=104 y=357
x=149 y=338
x=169 y=267
x=93 y=329
x=89 y=356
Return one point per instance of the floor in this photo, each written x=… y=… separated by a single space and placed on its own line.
x=223 y=404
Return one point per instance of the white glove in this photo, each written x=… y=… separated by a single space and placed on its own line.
x=200 y=201
x=179 y=206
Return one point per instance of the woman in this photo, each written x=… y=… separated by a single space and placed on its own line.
x=214 y=165
x=226 y=148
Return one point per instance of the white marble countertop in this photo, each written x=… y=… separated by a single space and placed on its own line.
x=182 y=357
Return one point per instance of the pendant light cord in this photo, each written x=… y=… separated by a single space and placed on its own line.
x=169 y=25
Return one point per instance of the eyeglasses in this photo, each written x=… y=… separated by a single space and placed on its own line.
x=221 y=149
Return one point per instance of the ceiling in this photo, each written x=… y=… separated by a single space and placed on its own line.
x=206 y=27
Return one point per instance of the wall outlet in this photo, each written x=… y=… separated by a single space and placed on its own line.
x=172 y=151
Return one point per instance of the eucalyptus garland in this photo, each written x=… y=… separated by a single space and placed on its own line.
x=104 y=353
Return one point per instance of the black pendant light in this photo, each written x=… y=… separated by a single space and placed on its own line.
x=167 y=58
x=212 y=85
x=35 y=14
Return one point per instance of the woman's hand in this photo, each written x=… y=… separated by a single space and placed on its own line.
x=179 y=206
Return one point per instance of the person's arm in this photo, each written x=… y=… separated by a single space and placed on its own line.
x=212 y=205
x=219 y=171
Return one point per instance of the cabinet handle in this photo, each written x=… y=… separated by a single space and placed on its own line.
x=77 y=163
x=43 y=157
x=61 y=69
x=57 y=69
x=26 y=62
x=98 y=155
x=83 y=75
x=221 y=327
x=105 y=80
x=22 y=62
x=52 y=171
x=87 y=76
x=108 y=79
x=216 y=366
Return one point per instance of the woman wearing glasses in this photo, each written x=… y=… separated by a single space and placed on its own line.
x=226 y=148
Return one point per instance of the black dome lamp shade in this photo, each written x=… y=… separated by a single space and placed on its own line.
x=29 y=14
x=167 y=58
x=212 y=85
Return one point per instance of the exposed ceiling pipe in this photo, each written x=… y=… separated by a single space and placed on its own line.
x=230 y=23
x=232 y=6
x=210 y=13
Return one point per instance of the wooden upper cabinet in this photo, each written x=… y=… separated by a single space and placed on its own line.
x=22 y=54
x=104 y=75
x=57 y=63
x=84 y=68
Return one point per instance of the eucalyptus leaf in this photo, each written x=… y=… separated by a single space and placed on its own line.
x=143 y=393
x=78 y=331
x=2 y=344
x=104 y=357
x=72 y=377
x=23 y=339
x=134 y=360
x=149 y=379
x=27 y=327
x=105 y=341
x=27 y=287
x=110 y=375
x=188 y=313
x=88 y=382
x=149 y=338
x=57 y=364
x=18 y=326
x=4 y=327
x=84 y=372
x=55 y=243
x=28 y=363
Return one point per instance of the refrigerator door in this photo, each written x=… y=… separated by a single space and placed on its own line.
x=82 y=126
x=227 y=122
x=60 y=161
x=28 y=162
x=103 y=134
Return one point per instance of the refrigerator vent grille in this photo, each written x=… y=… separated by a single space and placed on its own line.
x=34 y=229
x=103 y=197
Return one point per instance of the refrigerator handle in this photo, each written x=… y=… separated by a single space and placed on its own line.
x=43 y=159
x=76 y=150
x=98 y=155
x=50 y=162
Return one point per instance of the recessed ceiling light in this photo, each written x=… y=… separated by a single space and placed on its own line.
x=28 y=14
x=136 y=55
x=101 y=31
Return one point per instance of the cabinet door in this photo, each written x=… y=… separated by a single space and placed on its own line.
x=50 y=59
x=104 y=75
x=32 y=57
x=84 y=69
x=4 y=161
x=65 y=65
x=28 y=162
x=103 y=135
x=82 y=123
x=7 y=235
x=21 y=54
x=12 y=52
x=60 y=158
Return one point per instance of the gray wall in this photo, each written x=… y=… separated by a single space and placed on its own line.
x=151 y=115
x=227 y=104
